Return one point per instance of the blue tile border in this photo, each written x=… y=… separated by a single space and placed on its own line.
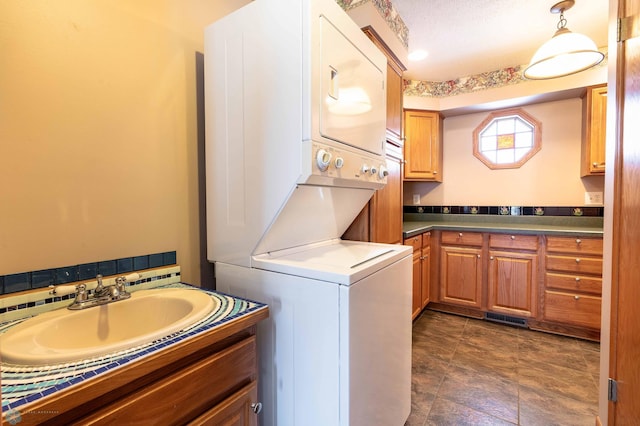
x=45 y=380
x=13 y=283
x=576 y=211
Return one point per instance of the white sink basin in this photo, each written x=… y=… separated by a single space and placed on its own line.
x=64 y=335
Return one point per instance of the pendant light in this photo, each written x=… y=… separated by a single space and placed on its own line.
x=566 y=53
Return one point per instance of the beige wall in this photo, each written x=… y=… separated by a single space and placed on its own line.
x=98 y=130
x=550 y=178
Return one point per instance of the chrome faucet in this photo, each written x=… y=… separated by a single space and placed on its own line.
x=101 y=295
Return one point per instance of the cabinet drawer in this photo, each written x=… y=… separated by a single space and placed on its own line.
x=182 y=396
x=462 y=238
x=415 y=242
x=572 y=309
x=575 y=245
x=574 y=283
x=577 y=264
x=513 y=241
x=426 y=239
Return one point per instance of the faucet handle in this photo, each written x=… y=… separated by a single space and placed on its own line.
x=121 y=283
x=81 y=293
x=62 y=290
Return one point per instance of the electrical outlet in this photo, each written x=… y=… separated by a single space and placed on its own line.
x=593 y=198
x=416 y=199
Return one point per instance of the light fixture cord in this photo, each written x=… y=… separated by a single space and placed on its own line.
x=563 y=22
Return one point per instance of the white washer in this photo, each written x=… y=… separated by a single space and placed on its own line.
x=334 y=350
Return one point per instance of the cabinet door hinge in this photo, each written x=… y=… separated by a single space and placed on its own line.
x=612 y=393
x=628 y=27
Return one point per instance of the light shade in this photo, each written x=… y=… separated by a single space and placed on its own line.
x=566 y=53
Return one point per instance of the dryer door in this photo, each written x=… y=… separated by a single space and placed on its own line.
x=353 y=95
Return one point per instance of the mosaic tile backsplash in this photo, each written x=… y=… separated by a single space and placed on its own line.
x=509 y=210
x=67 y=274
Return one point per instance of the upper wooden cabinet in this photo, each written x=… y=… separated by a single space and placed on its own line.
x=381 y=219
x=394 y=88
x=594 y=120
x=386 y=204
x=423 y=145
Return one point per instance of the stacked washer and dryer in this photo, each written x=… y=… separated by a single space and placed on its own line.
x=295 y=127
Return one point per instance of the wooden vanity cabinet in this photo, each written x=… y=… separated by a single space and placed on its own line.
x=513 y=274
x=594 y=131
x=573 y=281
x=461 y=268
x=423 y=145
x=210 y=378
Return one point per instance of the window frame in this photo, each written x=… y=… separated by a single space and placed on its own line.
x=494 y=117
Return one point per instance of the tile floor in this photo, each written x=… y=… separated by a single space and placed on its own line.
x=475 y=372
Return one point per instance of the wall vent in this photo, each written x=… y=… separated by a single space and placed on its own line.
x=505 y=319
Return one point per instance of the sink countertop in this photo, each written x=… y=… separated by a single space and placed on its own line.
x=418 y=223
x=22 y=385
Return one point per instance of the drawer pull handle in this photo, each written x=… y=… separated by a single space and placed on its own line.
x=577 y=279
x=478 y=256
x=578 y=241
x=491 y=257
x=577 y=260
x=256 y=407
x=576 y=297
x=460 y=235
x=513 y=237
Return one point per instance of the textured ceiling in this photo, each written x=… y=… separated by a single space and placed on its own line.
x=467 y=37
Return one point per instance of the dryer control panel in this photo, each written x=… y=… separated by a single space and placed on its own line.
x=344 y=167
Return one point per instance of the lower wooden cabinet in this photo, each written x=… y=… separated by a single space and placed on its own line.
x=573 y=281
x=461 y=276
x=425 y=272
x=182 y=396
x=554 y=282
x=512 y=283
x=513 y=274
x=421 y=271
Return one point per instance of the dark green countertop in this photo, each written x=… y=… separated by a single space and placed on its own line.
x=417 y=223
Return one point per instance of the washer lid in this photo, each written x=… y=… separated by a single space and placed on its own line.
x=336 y=261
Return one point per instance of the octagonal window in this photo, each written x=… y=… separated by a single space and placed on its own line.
x=507 y=139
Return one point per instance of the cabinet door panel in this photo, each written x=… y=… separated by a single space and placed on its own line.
x=422 y=147
x=180 y=397
x=233 y=411
x=416 y=297
x=594 y=117
x=512 y=282
x=426 y=275
x=386 y=206
x=461 y=276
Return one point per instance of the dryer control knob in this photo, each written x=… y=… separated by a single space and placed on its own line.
x=364 y=168
x=339 y=162
x=323 y=159
x=383 y=173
